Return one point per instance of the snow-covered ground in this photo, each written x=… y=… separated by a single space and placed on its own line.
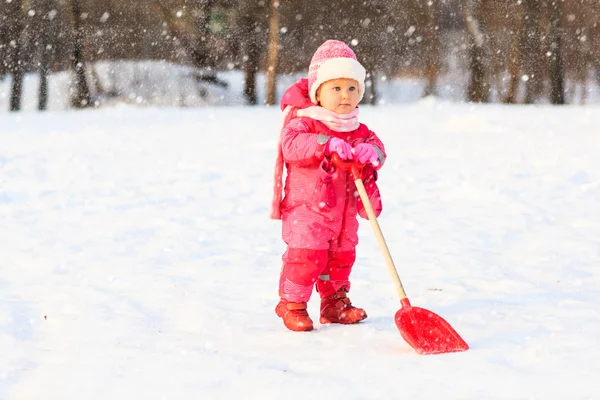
x=137 y=260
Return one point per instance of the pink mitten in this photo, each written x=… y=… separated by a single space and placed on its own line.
x=365 y=153
x=334 y=121
x=339 y=146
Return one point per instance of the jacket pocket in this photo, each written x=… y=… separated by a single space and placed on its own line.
x=323 y=197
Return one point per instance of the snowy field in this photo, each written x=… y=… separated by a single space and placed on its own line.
x=137 y=260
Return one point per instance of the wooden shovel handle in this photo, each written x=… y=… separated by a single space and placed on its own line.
x=356 y=168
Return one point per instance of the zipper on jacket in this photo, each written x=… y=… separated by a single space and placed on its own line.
x=339 y=239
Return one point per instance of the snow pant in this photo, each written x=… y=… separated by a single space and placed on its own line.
x=320 y=250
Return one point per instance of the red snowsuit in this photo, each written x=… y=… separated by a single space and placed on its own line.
x=319 y=207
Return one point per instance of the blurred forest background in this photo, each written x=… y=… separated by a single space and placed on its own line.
x=509 y=51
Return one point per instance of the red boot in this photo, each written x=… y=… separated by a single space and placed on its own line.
x=294 y=315
x=337 y=308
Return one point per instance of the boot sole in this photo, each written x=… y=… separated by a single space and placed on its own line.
x=327 y=321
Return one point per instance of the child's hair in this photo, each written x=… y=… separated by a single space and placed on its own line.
x=333 y=60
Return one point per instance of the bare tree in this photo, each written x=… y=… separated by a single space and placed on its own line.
x=370 y=47
x=555 y=60
x=203 y=12
x=531 y=45
x=5 y=29
x=515 y=54
x=48 y=35
x=272 y=55
x=82 y=97
x=250 y=28
x=478 y=89
x=16 y=62
x=433 y=46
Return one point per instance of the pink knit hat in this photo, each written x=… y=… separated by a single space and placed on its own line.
x=333 y=60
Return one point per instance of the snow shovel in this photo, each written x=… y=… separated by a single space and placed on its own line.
x=423 y=330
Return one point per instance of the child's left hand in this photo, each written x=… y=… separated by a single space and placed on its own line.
x=364 y=153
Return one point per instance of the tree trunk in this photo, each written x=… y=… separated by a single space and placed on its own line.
x=515 y=57
x=478 y=89
x=531 y=44
x=251 y=59
x=47 y=40
x=17 y=83
x=82 y=97
x=205 y=60
x=5 y=35
x=250 y=71
x=513 y=83
x=16 y=63
x=250 y=32
x=557 y=89
x=272 y=56
x=433 y=48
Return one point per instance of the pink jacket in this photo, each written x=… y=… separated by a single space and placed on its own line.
x=311 y=179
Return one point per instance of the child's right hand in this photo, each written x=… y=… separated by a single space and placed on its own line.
x=339 y=146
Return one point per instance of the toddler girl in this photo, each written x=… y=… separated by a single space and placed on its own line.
x=320 y=203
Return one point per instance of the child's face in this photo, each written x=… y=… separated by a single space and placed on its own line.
x=338 y=95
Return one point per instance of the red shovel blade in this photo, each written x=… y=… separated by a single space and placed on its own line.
x=427 y=332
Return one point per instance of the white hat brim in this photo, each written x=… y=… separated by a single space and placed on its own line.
x=336 y=68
